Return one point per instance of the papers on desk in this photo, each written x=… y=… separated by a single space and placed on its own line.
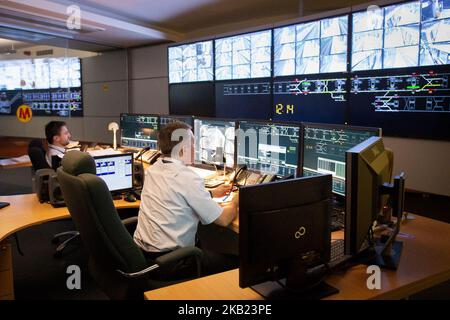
x=225 y=199
x=103 y=152
x=11 y=161
x=203 y=173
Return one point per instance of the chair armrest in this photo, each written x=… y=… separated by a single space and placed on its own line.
x=169 y=258
x=130 y=224
x=182 y=253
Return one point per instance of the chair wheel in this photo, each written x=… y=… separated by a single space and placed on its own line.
x=55 y=240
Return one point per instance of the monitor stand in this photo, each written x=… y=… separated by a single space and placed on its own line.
x=388 y=258
x=299 y=285
x=274 y=291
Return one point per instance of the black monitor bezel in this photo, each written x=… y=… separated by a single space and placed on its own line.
x=244 y=218
x=117 y=156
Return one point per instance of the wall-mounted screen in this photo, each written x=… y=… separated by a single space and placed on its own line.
x=244 y=99
x=403 y=35
x=312 y=47
x=50 y=86
x=244 y=56
x=191 y=62
x=314 y=98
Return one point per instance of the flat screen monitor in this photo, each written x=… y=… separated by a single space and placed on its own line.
x=214 y=141
x=139 y=130
x=324 y=148
x=369 y=168
x=269 y=147
x=116 y=171
x=283 y=232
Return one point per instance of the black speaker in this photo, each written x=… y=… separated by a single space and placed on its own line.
x=138 y=175
x=55 y=193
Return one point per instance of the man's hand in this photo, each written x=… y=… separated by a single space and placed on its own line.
x=221 y=191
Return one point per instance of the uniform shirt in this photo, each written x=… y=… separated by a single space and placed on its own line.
x=54 y=151
x=173 y=201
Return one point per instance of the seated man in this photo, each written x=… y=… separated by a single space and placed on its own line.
x=58 y=137
x=174 y=200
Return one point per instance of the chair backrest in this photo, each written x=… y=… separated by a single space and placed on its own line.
x=36 y=152
x=109 y=245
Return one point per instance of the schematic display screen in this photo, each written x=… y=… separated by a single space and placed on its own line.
x=164 y=120
x=312 y=99
x=268 y=147
x=214 y=141
x=414 y=103
x=139 y=131
x=324 y=150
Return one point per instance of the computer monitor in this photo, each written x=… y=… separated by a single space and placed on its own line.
x=166 y=119
x=215 y=141
x=116 y=170
x=284 y=233
x=324 y=147
x=368 y=179
x=269 y=147
x=139 y=130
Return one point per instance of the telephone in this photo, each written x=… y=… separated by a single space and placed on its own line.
x=150 y=155
x=243 y=177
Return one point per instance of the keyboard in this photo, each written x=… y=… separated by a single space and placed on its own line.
x=337 y=251
x=337 y=217
x=203 y=173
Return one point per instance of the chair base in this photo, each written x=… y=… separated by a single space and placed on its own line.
x=73 y=235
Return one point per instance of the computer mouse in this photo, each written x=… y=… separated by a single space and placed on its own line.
x=130 y=198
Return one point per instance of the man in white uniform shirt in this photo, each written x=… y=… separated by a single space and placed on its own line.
x=58 y=137
x=174 y=200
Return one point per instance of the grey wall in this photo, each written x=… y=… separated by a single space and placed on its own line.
x=149 y=89
x=105 y=97
x=425 y=162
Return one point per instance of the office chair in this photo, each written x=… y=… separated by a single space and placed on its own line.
x=36 y=152
x=115 y=262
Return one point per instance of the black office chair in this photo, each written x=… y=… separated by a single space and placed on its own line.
x=115 y=262
x=36 y=152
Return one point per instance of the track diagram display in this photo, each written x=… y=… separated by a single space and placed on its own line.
x=274 y=148
x=324 y=151
x=312 y=99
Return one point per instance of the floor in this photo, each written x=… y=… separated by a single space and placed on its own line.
x=37 y=267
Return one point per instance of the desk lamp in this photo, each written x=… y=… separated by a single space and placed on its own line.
x=113 y=126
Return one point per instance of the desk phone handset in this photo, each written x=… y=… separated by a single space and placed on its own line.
x=243 y=177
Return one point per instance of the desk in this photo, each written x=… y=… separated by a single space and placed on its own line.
x=425 y=262
x=13 y=163
x=26 y=211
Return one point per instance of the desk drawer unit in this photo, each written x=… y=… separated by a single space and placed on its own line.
x=6 y=274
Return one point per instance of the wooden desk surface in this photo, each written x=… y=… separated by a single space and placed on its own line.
x=25 y=211
x=425 y=262
x=15 y=165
